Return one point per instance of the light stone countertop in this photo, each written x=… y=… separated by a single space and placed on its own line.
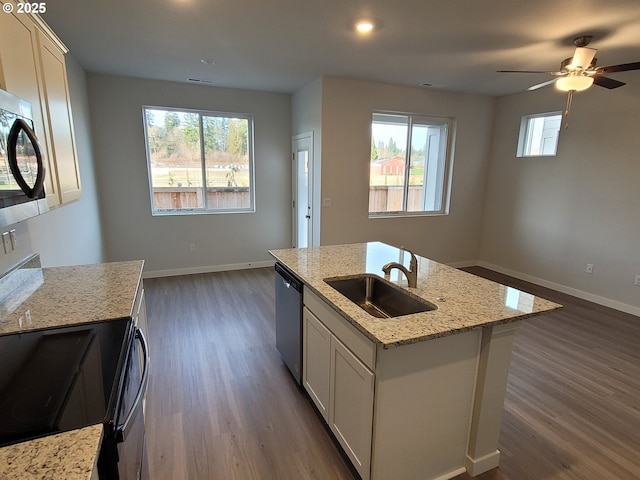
x=71 y=295
x=69 y=456
x=43 y=298
x=464 y=301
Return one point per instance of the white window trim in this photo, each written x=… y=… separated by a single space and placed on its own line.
x=524 y=137
x=205 y=210
x=448 y=165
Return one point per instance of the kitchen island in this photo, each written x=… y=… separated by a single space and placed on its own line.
x=415 y=396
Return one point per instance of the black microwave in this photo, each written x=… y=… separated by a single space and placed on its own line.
x=22 y=171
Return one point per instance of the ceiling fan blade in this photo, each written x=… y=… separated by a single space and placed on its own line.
x=531 y=71
x=540 y=85
x=623 y=67
x=582 y=58
x=607 y=82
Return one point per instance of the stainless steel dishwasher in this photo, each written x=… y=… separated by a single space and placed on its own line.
x=289 y=320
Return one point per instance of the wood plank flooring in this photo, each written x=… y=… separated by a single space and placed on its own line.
x=221 y=405
x=572 y=406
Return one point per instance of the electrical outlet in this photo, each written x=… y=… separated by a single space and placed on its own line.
x=6 y=242
x=589 y=268
x=192 y=247
x=637 y=281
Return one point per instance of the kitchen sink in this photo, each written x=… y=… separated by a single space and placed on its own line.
x=379 y=297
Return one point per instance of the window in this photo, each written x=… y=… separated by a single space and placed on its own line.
x=410 y=164
x=539 y=134
x=199 y=162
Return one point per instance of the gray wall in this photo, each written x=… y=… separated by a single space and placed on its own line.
x=347 y=106
x=546 y=218
x=306 y=116
x=222 y=240
x=71 y=234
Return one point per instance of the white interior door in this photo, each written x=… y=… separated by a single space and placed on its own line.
x=302 y=147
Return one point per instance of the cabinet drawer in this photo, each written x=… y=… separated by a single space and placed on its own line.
x=355 y=341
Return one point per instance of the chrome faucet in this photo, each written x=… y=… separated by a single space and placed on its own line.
x=411 y=273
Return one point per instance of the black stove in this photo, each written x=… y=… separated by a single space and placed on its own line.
x=61 y=379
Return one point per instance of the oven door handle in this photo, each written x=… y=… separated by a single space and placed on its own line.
x=124 y=428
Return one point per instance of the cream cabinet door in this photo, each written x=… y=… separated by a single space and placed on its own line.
x=316 y=361
x=32 y=67
x=55 y=97
x=351 y=406
x=19 y=75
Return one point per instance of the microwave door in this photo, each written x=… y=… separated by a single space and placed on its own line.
x=22 y=167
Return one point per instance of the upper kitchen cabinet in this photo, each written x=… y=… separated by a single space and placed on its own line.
x=55 y=96
x=19 y=75
x=32 y=66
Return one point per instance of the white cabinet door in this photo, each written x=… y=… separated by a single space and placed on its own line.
x=19 y=75
x=55 y=96
x=316 y=361
x=32 y=66
x=351 y=406
x=140 y=311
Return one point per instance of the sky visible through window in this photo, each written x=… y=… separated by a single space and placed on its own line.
x=383 y=132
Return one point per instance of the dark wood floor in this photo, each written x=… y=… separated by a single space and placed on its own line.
x=222 y=406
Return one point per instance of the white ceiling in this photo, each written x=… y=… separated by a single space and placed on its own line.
x=282 y=45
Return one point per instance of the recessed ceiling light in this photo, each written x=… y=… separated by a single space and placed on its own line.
x=207 y=61
x=364 y=26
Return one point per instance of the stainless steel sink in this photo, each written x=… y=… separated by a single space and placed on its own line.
x=378 y=297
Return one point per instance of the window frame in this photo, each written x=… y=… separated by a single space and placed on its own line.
x=525 y=135
x=444 y=180
x=250 y=153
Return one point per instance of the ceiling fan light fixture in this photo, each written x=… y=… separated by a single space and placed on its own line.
x=364 y=26
x=574 y=83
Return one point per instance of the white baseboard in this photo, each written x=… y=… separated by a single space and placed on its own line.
x=607 y=302
x=451 y=474
x=207 y=269
x=476 y=466
x=469 y=263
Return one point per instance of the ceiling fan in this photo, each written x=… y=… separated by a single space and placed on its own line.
x=580 y=71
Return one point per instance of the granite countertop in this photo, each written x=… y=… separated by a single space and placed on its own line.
x=60 y=296
x=70 y=456
x=464 y=301
x=34 y=298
